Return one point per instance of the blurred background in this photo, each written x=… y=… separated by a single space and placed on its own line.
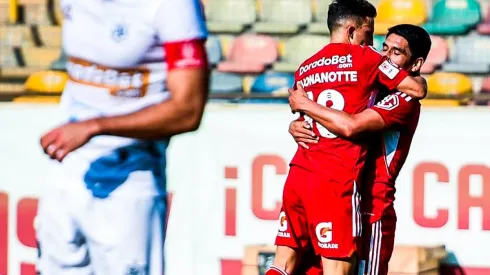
x=239 y=156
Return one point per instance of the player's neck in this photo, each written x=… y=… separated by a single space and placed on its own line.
x=339 y=38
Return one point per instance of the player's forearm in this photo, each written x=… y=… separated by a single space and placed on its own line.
x=154 y=122
x=338 y=122
x=415 y=87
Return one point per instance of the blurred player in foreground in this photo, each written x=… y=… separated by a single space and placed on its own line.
x=138 y=75
x=321 y=204
x=397 y=115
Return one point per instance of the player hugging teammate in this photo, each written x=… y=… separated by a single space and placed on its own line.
x=322 y=194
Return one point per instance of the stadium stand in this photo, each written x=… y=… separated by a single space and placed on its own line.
x=471 y=55
x=230 y=16
x=250 y=53
x=392 y=12
x=297 y=49
x=319 y=24
x=256 y=45
x=453 y=17
x=279 y=16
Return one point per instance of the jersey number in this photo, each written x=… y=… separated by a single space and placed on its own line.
x=329 y=98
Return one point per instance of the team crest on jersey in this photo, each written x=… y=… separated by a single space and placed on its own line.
x=389 y=103
x=120 y=32
x=389 y=69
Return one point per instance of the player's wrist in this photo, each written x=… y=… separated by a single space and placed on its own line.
x=94 y=127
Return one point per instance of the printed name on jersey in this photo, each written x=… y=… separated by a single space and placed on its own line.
x=342 y=76
x=389 y=69
x=343 y=62
x=124 y=83
x=389 y=103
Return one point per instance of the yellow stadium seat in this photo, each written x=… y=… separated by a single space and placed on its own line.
x=8 y=12
x=40 y=57
x=37 y=99
x=52 y=82
x=392 y=12
x=11 y=88
x=50 y=36
x=15 y=36
x=449 y=85
x=441 y=102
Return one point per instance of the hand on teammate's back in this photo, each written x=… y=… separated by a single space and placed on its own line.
x=302 y=133
x=298 y=99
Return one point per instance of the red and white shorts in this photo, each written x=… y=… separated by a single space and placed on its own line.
x=378 y=242
x=319 y=210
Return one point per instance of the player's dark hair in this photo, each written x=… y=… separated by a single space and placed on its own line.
x=418 y=39
x=340 y=10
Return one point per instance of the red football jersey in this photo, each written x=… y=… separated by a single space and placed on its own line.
x=388 y=154
x=342 y=77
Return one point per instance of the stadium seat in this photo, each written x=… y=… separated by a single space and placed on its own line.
x=484 y=27
x=8 y=58
x=15 y=36
x=230 y=16
x=222 y=83
x=213 y=48
x=378 y=42
x=320 y=12
x=441 y=102
x=453 y=17
x=449 y=85
x=39 y=57
x=283 y=16
x=275 y=83
x=49 y=36
x=250 y=53
x=5 y=12
x=392 y=12
x=35 y=12
x=297 y=49
x=11 y=89
x=437 y=55
x=485 y=87
x=471 y=54
x=37 y=99
x=50 y=82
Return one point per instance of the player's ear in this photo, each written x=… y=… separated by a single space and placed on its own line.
x=417 y=64
x=351 y=31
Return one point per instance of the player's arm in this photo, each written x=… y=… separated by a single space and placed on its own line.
x=187 y=80
x=391 y=111
x=347 y=125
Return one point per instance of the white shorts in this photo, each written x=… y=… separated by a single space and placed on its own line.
x=80 y=234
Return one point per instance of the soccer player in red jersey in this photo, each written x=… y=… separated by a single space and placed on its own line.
x=321 y=202
x=396 y=114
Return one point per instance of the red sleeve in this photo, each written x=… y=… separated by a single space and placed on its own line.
x=395 y=109
x=186 y=54
x=381 y=70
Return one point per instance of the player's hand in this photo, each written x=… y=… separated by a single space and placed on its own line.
x=64 y=139
x=298 y=99
x=302 y=133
